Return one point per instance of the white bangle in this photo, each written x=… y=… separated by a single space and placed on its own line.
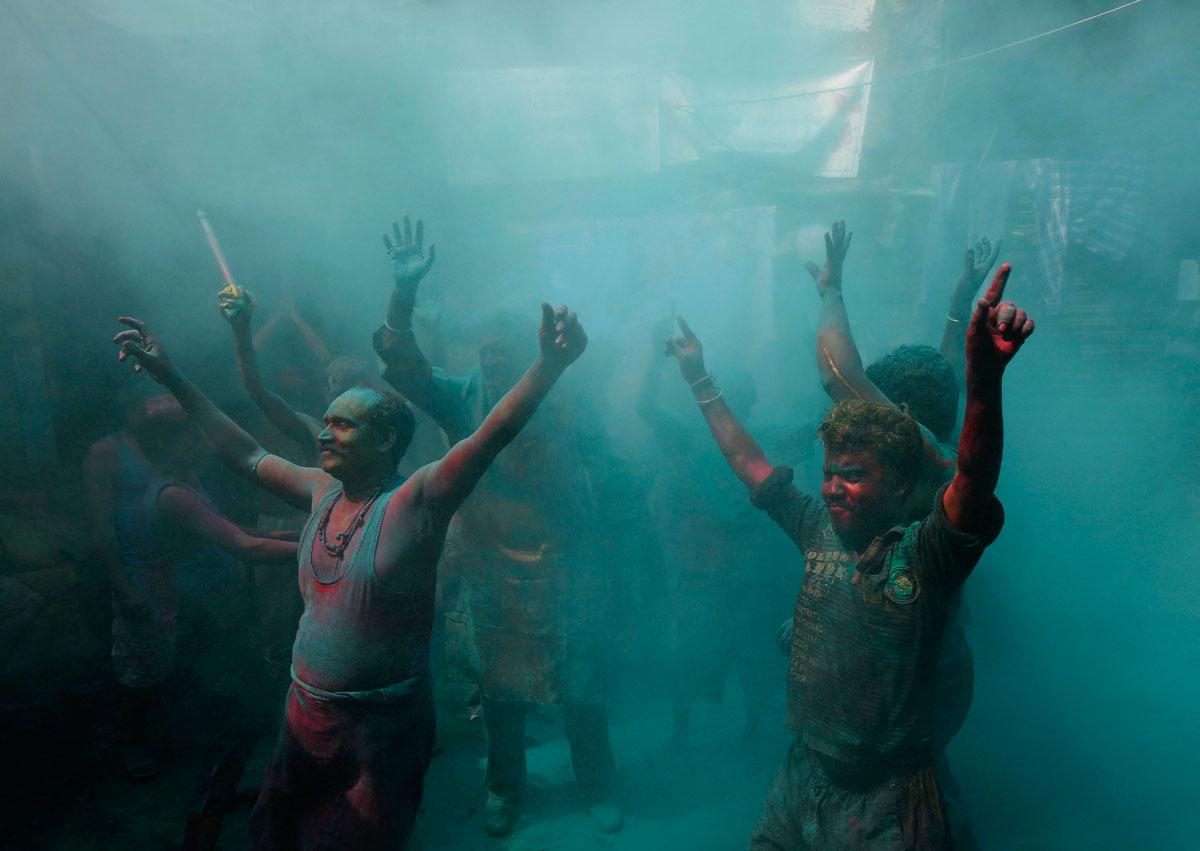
x=397 y=331
x=257 y=461
x=711 y=399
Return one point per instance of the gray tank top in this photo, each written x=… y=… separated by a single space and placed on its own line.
x=350 y=634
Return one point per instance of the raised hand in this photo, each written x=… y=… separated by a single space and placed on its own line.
x=660 y=330
x=688 y=351
x=997 y=330
x=837 y=244
x=236 y=308
x=409 y=261
x=978 y=261
x=147 y=351
x=561 y=337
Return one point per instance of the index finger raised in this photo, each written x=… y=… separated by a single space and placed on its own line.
x=996 y=290
x=688 y=334
x=132 y=322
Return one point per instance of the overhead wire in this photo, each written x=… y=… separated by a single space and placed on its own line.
x=927 y=69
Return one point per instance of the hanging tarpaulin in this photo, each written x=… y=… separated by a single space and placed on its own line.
x=1096 y=206
x=819 y=121
x=527 y=124
x=836 y=15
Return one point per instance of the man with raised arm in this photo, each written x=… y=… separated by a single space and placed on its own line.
x=840 y=364
x=237 y=308
x=924 y=381
x=349 y=766
x=875 y=597
x=704 y=526
x=539 y=592
x=279 y=601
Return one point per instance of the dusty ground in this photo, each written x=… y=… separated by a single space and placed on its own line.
x=703 y=797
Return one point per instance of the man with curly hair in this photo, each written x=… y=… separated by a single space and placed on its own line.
x=925 y=382
x=875 y=599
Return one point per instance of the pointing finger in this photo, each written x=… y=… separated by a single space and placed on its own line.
x=547 y=316
x=996 y=290
x=688 y=335
x=132 y=323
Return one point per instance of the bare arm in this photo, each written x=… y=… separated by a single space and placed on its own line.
x=742 y=452
x=996 y=332
x=838 y=360
x=234 y=446
x=200 y=520
x=977 y=262
x=449 y=481
x=407 y=369
x=297 y=427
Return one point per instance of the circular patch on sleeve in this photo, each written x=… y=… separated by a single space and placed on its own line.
x=902 y=586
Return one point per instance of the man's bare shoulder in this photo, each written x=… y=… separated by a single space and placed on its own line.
x=411 y=537
x=407 y=503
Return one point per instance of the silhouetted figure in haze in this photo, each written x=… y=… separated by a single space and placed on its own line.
x=165 y=545
x=706 y=530
x=538 y=597
x=348 y=770
x=876 y=596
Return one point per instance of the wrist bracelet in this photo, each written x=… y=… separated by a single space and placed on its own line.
x=397 y=331
x=950 y=318
x=711 y=399
x=706 y=377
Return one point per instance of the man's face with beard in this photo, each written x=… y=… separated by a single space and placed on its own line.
x=864 y=497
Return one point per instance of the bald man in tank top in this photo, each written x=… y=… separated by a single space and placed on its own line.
x=349 y=766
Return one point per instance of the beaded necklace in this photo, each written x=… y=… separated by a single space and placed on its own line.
x=339 y=549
